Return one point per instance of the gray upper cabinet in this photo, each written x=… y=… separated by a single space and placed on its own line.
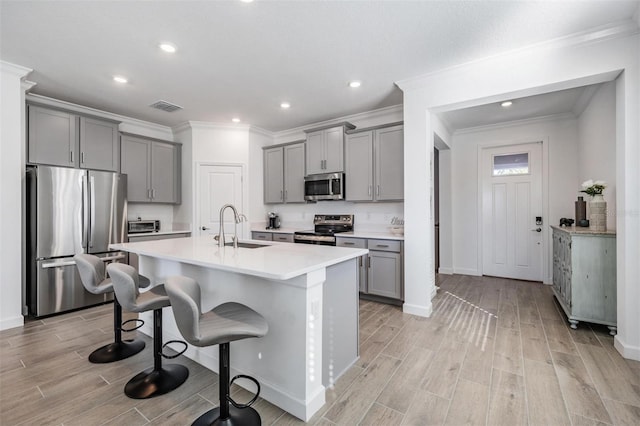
x=62 y=138
x=389 y=163
x=294 y=173
x=52 y=137
x=359 y=167
x=325 y=149
x=284 y=174
x=99 y=147
x=273 y=175
x=374 y=165
x=152 y=168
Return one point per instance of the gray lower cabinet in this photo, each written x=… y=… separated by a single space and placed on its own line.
x=153 y=169
x=61 y=138
x=584 y=275
x=284 y=171
x=381 y=271
x=272 y=236
x=374 y=164
x=264 y=236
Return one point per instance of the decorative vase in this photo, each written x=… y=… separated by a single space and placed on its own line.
x=597 y=213
x=581 y=211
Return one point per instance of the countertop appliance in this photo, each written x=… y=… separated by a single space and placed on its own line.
x=70 y=211
x=274 y=220
x=139 y=226
x=329 y=186
x=325 y=228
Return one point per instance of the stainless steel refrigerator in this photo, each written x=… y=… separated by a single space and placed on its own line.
x=70 y=211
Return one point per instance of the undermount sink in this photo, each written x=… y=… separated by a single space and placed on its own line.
x=247 y=245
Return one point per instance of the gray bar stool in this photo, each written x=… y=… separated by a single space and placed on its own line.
x=92 y=274
x=159 y=379
x=223 y=324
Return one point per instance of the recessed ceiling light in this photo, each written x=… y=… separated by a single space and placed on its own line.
x=235 y=119
x=119 y=79
x=506 y=104
x=168 y=47
x=246 y=1
x=285 y=105
x=354 y=84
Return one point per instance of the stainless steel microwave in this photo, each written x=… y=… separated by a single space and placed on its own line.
x=329 y=186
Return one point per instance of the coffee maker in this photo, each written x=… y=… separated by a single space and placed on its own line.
x=273 y=220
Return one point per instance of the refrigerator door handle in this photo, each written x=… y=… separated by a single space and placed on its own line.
x=85 y=214
x=58 y=264
x=92 y=196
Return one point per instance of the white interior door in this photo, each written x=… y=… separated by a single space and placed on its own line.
x=511 y=200
x=218 y=185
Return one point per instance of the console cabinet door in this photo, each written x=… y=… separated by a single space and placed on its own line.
x=294 y=173
x=99 y=147
x=385 y=274
x=52 y=137
x=165 y=173
x=389 y=163
x=135 y=164
x=359 y=167
x=273 y=176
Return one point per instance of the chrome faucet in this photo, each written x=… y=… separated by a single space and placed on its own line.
x=237 y=219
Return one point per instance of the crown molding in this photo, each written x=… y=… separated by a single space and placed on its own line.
x=197 y=125
x=516 y=123
x=124 y=121
x=353 y=117
x=597 y=34
x=17 y=70
x=27 y=85
x=261 y=131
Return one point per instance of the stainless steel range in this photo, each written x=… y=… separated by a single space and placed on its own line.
x=325 y=228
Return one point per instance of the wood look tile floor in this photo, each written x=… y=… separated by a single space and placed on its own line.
x=495 y=351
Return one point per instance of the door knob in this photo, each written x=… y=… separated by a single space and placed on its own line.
x=204 y=228
x=536 y=230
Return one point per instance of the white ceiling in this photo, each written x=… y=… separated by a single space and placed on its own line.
x=570 y=101
x=239 y=59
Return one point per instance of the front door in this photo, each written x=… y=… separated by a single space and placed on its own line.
x=511 y=205
x=218 y=185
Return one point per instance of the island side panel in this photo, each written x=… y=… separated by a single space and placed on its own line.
x=340 y=328
x=288 y=360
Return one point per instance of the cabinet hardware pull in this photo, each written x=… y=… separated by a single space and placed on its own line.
x=368 y=261
x=369 y=192
x=148 y=193
x=382 y=245
x=72 y=156
x=347 y=243
x=360 y=261
x=82 y=157
x=285 y=195
x=281 y=196
x=378 y=190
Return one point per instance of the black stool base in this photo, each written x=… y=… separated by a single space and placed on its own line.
x=116 y=351
x=152 y=382
x=237 y=417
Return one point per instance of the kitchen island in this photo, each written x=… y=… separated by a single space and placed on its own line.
x=308 y=294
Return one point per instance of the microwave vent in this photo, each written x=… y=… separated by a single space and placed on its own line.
x=165 y=106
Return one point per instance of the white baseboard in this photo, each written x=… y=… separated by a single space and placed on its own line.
x=627 y=351
x=467 y=271
x=8 y=323
x=445 y=271
x=421 y=311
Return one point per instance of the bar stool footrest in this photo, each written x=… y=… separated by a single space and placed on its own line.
x=176 y=355
x=237 y=417
x=116 y=351
x=127 y=330
x=255 y=397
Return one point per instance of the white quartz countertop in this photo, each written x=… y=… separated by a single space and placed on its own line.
x=280 y=261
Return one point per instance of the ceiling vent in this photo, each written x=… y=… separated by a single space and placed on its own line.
x=165 y=106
